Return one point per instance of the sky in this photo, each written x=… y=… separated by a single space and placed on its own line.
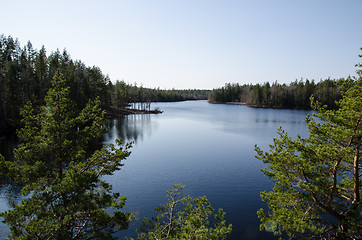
x=195 y=44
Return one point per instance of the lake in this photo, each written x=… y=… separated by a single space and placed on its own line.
x=207 y=147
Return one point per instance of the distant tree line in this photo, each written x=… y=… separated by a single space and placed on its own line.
x=26 y=74
x=138 y=97
x=295 y=95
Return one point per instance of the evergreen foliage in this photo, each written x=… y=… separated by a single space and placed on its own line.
x=65 y=197
x=26 y=75
x=190 y=222
x=317 y=180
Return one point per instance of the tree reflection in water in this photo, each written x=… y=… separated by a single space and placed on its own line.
x=129 y=128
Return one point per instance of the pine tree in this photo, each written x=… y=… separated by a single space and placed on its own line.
x=65 y=196
x=190 y=222
x=317 y=180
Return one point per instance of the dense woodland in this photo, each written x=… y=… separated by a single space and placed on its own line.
x=295 y=95
x=26 y=74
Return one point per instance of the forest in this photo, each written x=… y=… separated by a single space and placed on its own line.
x=296 y=95
x=26 y=74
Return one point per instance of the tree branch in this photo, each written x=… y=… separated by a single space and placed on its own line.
x=321 y=205
x=355 y=175
x=334 y=177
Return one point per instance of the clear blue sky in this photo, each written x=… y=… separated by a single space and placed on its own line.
x=200 y=44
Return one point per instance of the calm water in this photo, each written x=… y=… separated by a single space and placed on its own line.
x=207 y=147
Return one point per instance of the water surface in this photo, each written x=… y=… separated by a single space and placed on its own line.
x=207 y=147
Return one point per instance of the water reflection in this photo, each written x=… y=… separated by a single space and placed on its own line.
x=279 y=116
x=7 y=144
x=129 y=128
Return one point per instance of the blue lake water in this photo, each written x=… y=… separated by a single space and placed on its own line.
x=207 y=147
